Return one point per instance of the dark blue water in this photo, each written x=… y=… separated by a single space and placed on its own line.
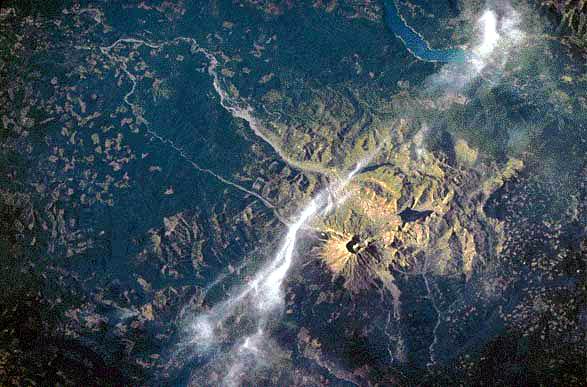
x=415 y=43
x=311 y=54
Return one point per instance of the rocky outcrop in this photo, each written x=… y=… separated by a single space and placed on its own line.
x=572 y=15
x=416 y=215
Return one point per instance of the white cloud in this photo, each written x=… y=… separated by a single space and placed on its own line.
x=489 y=39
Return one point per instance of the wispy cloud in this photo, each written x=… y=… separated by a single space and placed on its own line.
x=236 y=327
x=498 y=36
x=235 y=331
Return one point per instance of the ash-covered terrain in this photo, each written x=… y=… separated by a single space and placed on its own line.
x=301 y=193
